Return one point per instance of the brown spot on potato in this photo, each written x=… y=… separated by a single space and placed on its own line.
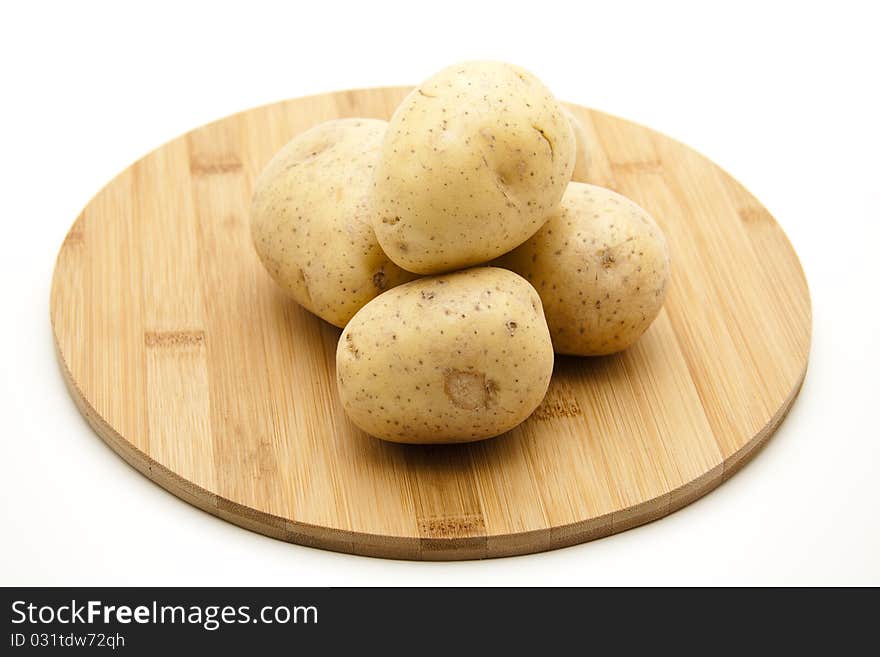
x=301 y=275
x=349 y=343
x=469 y=390
x=547 y=139
x=606 y=257
x=501 y=184
x=313 y=154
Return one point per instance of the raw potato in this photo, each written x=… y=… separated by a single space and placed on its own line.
x=473 y=162
x=581 y=171
x=446 y=359
x=310 y=219
x=601 y=266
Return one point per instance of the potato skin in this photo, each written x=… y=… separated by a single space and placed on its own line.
x=473 y=162
x=310 y=219
x=446 y=359
x=601 y=266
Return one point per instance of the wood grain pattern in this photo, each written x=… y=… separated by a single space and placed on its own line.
x=191 y=364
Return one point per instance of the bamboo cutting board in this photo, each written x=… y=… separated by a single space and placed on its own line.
x=192 y=366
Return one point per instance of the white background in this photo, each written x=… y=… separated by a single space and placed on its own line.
x=782 y=95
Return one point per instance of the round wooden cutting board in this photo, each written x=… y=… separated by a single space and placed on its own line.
x=190 y=363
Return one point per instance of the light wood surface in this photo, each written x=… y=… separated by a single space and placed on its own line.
x=192 y=366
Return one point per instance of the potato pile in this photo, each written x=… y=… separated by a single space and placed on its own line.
x=456 y=251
